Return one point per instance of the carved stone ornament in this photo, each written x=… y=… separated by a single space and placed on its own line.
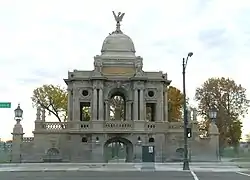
x=98 y=85
x=117 y=84
x=120 y=84
x=70 y=91
x=165 y=76
x=118 y=19
x=98 y=65
x=85 y=93
x=149 y=94
x=138 y=68
x=109 y=84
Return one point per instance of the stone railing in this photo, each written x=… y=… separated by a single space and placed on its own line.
x=51 y=126
x=28 y=139
x=118 y=125
x=111 y=126
x=55 y=125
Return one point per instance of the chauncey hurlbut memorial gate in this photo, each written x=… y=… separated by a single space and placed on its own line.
x=94 y=133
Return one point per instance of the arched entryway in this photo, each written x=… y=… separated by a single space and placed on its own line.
x=117 y=104
x=118 y=149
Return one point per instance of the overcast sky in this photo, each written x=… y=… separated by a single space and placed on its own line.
x=41 y=40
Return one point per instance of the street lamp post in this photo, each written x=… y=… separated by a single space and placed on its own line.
x=18 y=117
x=184 y=65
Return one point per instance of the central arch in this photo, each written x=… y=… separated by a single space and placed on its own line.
x=118 y=148
x=117 y=104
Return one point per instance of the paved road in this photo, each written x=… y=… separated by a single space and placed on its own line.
x=86 y=175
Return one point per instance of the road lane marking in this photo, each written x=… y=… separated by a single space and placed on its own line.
x=194 y=175
x=244 y=174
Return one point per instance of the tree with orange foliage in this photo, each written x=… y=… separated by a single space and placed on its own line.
x=175 y=104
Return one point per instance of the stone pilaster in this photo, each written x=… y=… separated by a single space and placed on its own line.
x=106 y=110
x=94 y=106
x=159 y=107
x=128 y=110
x=76 y=107
x=101 y=104
x=142 y=104
x=69 y=107
x=135 y=105
x=166 y=104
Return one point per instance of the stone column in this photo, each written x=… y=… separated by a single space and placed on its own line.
x=135 y=106
x=162 y=107
x=166 y=105
x=101 y=108
x=94 y=112
x=142 y=104
x=128 y=110
x=76 y=107
x=106 y=110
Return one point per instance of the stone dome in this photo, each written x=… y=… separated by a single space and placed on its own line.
x=118 y=44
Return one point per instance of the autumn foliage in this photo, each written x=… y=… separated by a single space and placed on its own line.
x=175 y=102
x=231 y=103
x=53 y=99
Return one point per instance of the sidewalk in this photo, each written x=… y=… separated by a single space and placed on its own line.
x=44 y=167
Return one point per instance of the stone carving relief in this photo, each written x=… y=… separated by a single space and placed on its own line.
x=117 y=84
x=109 y=84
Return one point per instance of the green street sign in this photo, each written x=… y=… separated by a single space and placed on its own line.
x=5 y=105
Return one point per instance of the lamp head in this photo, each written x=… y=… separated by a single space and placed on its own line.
x=212 y=113
x=190 y=54
x=18 y=112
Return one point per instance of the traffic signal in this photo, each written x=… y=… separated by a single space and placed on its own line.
x=189 y=132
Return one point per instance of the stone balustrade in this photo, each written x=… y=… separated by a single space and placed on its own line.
x=118 y=125
x=123 y=126
x=28 y=139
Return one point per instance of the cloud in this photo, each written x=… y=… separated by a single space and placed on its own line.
x=42 y=40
